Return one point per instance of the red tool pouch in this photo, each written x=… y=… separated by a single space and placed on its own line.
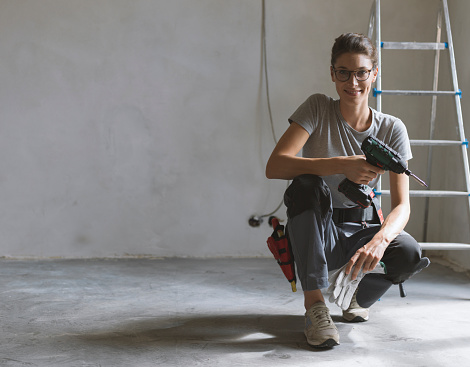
x=280 y=248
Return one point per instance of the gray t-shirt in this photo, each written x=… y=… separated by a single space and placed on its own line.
x=331 y=136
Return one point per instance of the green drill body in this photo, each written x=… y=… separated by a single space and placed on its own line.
x=381 y=155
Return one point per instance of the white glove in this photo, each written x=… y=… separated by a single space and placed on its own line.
x=342 y=287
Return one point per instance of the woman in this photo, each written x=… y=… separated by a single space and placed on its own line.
x=325 y=233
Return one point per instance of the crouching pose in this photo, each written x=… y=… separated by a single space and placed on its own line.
x=327 y=231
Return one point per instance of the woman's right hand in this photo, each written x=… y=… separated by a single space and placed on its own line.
x=358 y=170
x=285 y=164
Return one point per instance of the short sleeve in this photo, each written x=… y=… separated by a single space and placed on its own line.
x=309 y=114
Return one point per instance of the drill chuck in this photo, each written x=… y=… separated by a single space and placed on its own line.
x=416 y=178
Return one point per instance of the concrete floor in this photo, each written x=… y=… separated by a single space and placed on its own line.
x=223 y=312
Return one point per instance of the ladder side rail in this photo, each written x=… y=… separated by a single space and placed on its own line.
x=432 y=122
x=379 y=73
x=457 y=98
x=453 y=70
x=464 y=150
x=379 y=54
x=451 y=46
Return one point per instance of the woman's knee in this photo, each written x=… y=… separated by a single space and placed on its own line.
x=403 y=258
x=307 y=192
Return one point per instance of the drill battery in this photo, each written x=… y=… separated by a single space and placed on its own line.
x=362 y=195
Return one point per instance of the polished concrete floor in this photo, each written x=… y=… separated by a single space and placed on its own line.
x=219 y=312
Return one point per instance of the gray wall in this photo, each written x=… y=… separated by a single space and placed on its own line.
x=141 y=127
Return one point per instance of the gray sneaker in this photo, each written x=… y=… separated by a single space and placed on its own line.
x=355 y=313
x=320 y=330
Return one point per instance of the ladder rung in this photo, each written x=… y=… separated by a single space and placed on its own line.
x=414 y=45
x=428 y=193
x=418 y=92
x=416 y=142
x=444 y=246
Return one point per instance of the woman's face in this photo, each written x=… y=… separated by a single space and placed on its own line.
x=353 y=91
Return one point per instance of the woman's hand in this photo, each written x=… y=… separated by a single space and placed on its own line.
x=358 y=170
x=367 y=257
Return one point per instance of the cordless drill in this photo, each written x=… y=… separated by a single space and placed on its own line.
x=380 y=155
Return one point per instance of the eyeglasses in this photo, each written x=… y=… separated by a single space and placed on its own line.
x=344 y=75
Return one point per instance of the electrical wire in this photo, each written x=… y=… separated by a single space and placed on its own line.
x=266 y=80
x=265 y=67
x=273 y=212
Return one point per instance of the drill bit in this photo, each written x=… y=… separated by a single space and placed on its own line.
x=417 y=179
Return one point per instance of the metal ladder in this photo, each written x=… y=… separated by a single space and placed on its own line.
x=437 y=46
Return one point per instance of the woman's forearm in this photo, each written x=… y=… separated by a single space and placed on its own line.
x=287 y=166
x=395 y=222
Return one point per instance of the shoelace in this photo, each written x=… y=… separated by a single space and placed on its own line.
x=322 y=317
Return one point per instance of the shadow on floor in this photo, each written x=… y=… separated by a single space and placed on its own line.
x=232 y=333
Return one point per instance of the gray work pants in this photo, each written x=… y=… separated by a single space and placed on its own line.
x=319 y=245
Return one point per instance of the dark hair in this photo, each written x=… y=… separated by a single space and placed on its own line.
x=354 y=43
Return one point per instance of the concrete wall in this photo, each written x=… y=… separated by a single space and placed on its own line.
x=141 y=127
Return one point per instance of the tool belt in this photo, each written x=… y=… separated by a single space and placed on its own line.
x=356 y=215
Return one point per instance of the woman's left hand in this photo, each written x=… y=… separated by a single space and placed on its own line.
x=367 y=257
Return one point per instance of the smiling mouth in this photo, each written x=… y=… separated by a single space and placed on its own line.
x=353 y=92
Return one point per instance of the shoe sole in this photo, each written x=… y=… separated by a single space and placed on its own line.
x=356 y=319
x=330 y=343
